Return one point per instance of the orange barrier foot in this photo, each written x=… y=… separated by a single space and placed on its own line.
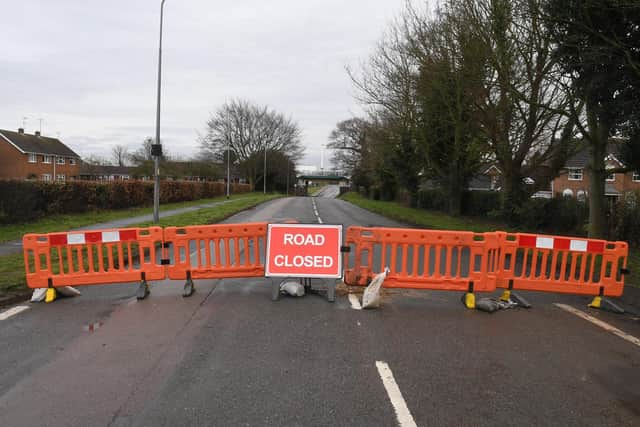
x=602 y=303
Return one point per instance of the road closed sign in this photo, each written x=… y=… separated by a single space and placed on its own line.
x=304 y=250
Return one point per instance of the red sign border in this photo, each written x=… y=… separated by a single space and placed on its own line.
x=321 y=276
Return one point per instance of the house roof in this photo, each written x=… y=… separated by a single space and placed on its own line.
x=37 y=144
x=581 y=158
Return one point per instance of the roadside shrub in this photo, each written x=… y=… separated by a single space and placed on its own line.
x=24 y=201
x=624 y=220
x=474 y=203
x=480 y=203
x=561 y=215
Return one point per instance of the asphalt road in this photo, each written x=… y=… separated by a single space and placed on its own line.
x=230 y=356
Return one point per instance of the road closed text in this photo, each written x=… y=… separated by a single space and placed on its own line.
x=311 y=261
x=304 y=250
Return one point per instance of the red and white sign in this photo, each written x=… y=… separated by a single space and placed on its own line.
x=304 y=250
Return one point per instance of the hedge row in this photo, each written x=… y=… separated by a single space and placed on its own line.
x=23 y=201
x=559 y=215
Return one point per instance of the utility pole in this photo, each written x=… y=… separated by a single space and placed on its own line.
x=156 y=149
x=288 y=166
x=264 y=179
x=228 y=167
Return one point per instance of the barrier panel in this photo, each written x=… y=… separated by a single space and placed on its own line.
x=216 y=251
x=93 y=257
x=422 y=259
x=561 y=264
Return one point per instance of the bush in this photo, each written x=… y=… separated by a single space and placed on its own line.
x=474 y=203
x=561 y=215
x=23 y=201
x=624 y=220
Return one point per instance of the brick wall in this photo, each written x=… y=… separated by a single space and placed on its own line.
x=15 y=165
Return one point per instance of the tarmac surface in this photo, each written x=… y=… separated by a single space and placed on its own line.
x=228 y=355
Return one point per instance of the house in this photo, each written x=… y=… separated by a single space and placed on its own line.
x=25 y=156
x=108 y=173
x=573 y=180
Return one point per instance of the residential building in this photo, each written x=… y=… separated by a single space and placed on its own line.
x=574 y=179
x=25 y=156
x=105 y=173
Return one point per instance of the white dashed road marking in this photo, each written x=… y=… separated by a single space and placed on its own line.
x=604 y=325
x=315 y=210
x=13 y=311
x=402 y=411
x=355 y=303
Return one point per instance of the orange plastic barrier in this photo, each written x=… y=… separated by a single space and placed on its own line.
x=422 y=259
x=93 y=257
x=216 y=251
x=562 y=264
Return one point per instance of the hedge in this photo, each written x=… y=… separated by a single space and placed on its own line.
x=23 y=201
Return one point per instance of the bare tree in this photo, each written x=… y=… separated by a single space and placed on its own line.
x=120 y=155
x=524 y=105
x=248 y=130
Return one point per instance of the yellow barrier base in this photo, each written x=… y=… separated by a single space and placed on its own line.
x=470 y=300
x=51 y=295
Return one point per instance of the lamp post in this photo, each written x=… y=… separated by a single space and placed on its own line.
x=156 y=149
x=288 y=163
x=264 y=179
x=228 y=166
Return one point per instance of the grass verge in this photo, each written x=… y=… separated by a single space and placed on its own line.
x=12 y=271
x=442 y=221
x=421 y=217
x=71 y=221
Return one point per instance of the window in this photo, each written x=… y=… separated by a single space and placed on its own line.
x=575 y=174
x=636 y=176
x=60 y=177
x=611 y=177
x=72 y=161
x=46 y=177
x=33 y=158
x=60 y=160
x=581 y=195
x=47 y=159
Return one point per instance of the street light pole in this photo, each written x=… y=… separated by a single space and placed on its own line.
x=264 y=179
x=288 y=163
x=157 y=150
x=228 y=164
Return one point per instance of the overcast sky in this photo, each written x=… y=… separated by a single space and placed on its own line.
x=88 y=68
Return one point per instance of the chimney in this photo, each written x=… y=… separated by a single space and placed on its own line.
x=37 y=133
x=21 y=130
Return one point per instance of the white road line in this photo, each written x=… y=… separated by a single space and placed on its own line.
x=604 y=325
x=355 y=303
x=315 y=210
x=393 y=391
x=13 y=311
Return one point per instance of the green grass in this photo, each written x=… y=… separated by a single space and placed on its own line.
x=215 y=214
x=442 y=221
x=12 y=271
x=72 y=221
x=421 y=217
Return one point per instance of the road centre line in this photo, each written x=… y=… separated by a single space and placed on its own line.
x=13 y=311
x=604 y=325
x=315 y=210
x=405 y=419
x=355 y=303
